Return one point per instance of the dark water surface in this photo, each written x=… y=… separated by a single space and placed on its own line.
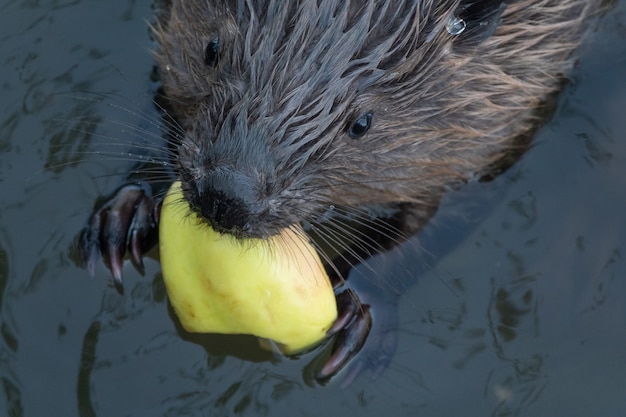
x=526 y=316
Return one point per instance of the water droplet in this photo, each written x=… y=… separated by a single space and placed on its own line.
x=455 y=25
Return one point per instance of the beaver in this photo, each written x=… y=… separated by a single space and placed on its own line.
x=329 y=113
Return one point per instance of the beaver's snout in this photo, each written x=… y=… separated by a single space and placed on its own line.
x=231 y=202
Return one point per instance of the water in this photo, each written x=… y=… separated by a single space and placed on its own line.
x=525 y=316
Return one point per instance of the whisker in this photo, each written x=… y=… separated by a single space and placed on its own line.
x=135 y=130
x=152 y=158
x=120 y=102
x=127 y=157
x=345 y=231
x=335 y=244
x=376 y=224
x=328 y=260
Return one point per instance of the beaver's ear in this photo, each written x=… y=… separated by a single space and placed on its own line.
x=476 y=20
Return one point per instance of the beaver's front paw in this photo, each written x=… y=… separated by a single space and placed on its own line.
x=360 y=343
x=127 y=219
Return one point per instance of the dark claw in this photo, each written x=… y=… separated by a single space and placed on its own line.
x=348 y=343
x=347 y=306
x=136 y=254
x=117 y=220
x=376 y=358
x=142 y=228
x=365 y=337
x=127 y=220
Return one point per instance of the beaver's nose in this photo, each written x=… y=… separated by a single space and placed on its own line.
x=225 y=214
x=229 y=202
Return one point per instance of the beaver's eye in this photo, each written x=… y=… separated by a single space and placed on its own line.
x=361 y=125
x=211 y=53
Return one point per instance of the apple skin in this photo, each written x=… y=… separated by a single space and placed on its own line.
x=275 y=289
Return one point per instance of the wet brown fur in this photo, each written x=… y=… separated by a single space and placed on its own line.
x=293 y=75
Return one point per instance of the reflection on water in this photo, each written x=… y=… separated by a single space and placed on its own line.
x=522 y=313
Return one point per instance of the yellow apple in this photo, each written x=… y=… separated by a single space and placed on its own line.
x=275 y=289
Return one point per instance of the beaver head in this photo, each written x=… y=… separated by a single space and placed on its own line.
x=289 y=109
